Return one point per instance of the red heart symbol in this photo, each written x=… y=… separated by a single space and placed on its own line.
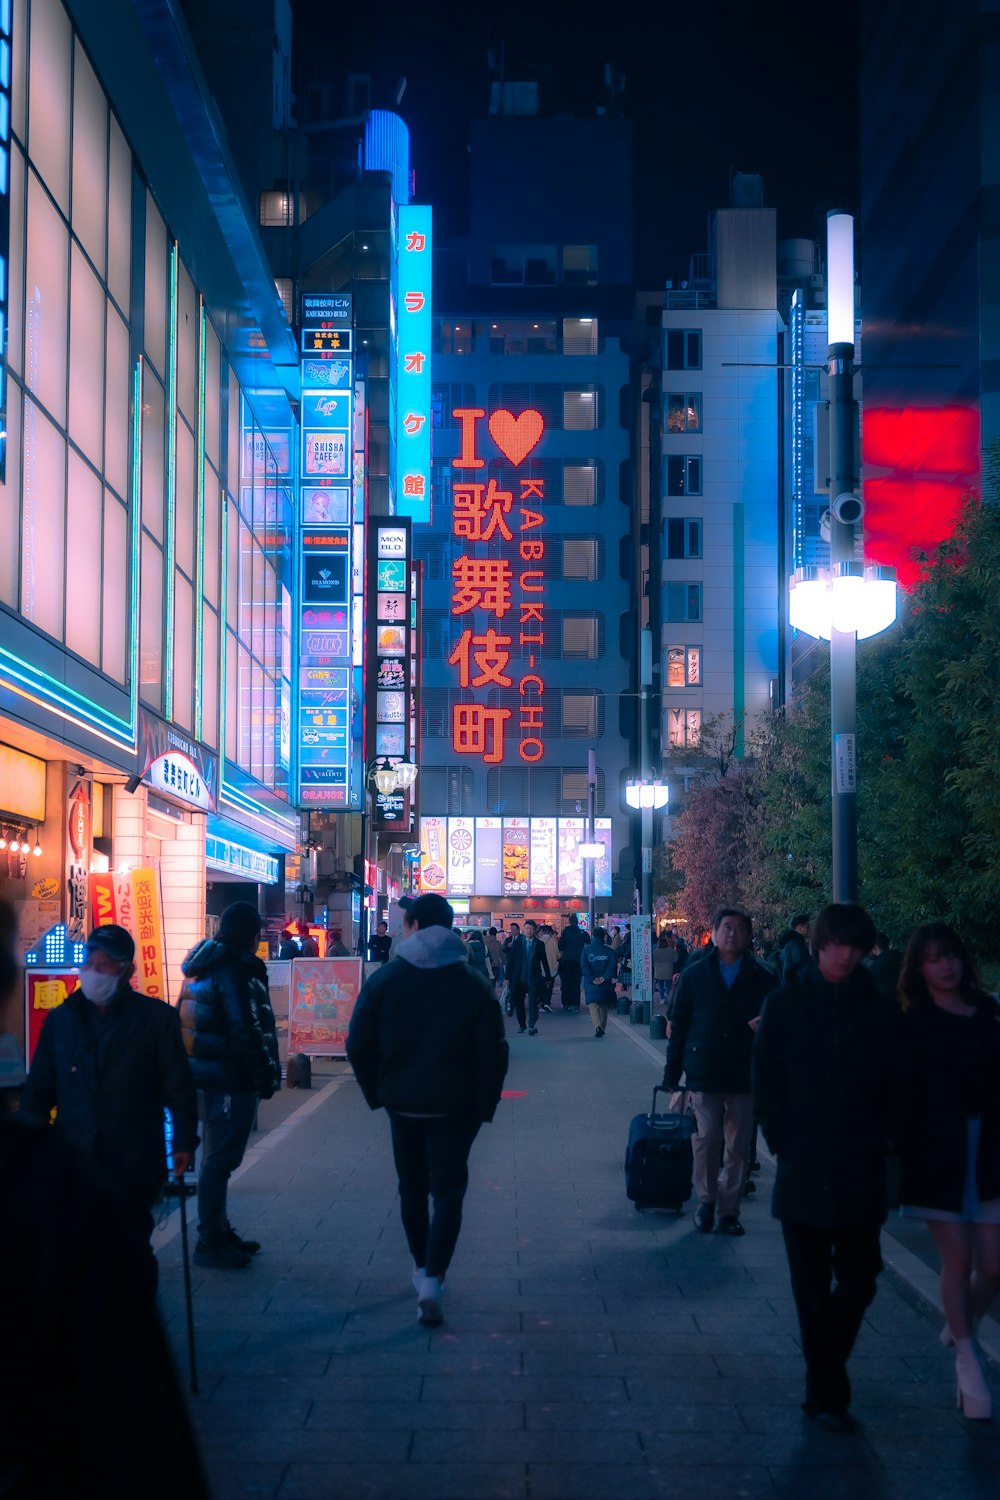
x=516 y=436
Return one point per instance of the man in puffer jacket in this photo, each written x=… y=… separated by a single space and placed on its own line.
x=232 y=1045
x=426 y=1043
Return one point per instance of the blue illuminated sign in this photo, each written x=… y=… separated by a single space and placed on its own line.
x=413 y=362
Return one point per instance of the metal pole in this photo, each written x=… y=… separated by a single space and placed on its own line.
x=591 y=863
x=843 y=644
x=646 y=815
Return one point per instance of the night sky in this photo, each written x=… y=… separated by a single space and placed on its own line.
x=710 y=89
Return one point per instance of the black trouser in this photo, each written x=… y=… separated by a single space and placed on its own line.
x=834 y=1274
x=432 y=1157
x=569 y=985
x=517 y=994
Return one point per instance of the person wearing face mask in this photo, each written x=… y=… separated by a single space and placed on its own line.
x=109 y=1060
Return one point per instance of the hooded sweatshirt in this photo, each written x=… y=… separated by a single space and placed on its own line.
x=427 y=1036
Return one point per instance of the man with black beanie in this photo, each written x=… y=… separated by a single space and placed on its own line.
x=109 y=1060
x=231 y=1041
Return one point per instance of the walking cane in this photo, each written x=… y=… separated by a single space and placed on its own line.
x=183 y=1192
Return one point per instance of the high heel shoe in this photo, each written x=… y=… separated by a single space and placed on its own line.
x=973 y=1398
x=948 y=1338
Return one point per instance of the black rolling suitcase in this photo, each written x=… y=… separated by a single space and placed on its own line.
x=659 y=1162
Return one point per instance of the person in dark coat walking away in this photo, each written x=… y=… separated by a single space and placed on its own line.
x=821 y=1090
x=884 y=964
x=571 y=945
x=427 y=1044
x=600 y=962
x=664 y=960
x=108 y=1061
x=494 y=953
x=528 y=975
x=713 y=1015
x=946 y=1127
x=91 y=1407
x=230 y=1037
x=476 y=956
x=308 y=946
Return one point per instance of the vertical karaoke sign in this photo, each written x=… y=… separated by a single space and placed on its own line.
x=326 y=546
x=413 y=361
x=388 y=659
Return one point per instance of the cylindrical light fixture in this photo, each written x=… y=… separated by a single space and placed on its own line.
x=590 y=851
x=840 y=278
x=37 y=851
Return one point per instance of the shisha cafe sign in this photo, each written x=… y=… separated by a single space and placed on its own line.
x=502 y=595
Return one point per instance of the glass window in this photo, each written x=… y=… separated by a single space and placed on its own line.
x=683 y=666
x=523 y=336
x=579 y=265
x=43 y=522
x=210 y=551
x=187 y=345
x=90 y=160
x=155 y=331
x=212 y=393
x=48 y=267
x=285 y=288
x=83 y=548
x=151 y=623
x=233 y=476
x=580 y=558
x=507 y=265
x=152 y=454
x=683 y=348
x=454 y=336
x=581 y=635
x=683 y=411
x=10 y=502
x=117 y=425
x=86 y=360
x=580 y=336
x=18 y=90
x=182 y=706
x=580 y=484
x=683 y=602
x=15 y=303
x=683 y=538
x=119 y=218
x=49 y=95
x=277 y=209
x=683 y=728
x=580 y=408
x=184 y=485
x=580 y=715
x=115 y=590
x=210 y=676
x=683 y=474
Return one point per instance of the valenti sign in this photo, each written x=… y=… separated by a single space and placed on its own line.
x=498 y=589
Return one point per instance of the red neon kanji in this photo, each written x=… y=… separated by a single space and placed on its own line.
x=414 y=484
x=413 y=422
x=491 y=658
x=416 y=241
x=471 y=509
x=473 y=728
x=413 y=301
x=481 y=583
x=414 y=363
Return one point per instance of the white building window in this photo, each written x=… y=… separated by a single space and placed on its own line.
x=683 y=728
x=683 y=411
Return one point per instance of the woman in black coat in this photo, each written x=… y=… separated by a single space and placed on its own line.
x=947 y=1128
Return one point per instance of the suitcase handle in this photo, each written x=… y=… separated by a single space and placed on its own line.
x=657 y=1089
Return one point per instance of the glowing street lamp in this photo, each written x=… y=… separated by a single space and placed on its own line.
x=648 y=792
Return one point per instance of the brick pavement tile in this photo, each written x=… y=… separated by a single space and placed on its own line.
x=307 y=1481
x=646 y=1418
x=809 y=1448
x=236 y=1417
x=410 y=1415
x=233 y=1480
x=608 y=1444
x=555 y=1481
x=650 y=1366
x=494 y=1388
x=356 y=1445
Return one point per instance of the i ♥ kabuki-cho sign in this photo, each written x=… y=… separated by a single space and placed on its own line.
x=498 y=589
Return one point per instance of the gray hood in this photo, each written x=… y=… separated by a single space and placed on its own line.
x=432 y=948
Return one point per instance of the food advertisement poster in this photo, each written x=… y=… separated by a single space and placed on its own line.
x=323 y=994
x=516 y=856
x=461 y=856
x=489 y=855
x=543 y=856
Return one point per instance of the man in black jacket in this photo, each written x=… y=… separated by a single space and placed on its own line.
x=427 y=1044
x=109 y=1060
x=231 y=1040
x=714 y=1014
x=571 y=945
x=527 y=972
x=821 y=1063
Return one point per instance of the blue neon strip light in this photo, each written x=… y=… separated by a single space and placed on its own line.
x=199 y=565
x=171 y=496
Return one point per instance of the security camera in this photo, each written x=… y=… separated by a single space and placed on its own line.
x=848 y=508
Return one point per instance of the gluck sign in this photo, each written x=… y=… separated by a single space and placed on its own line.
x=508 y=582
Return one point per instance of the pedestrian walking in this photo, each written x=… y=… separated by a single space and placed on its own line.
x=884 y=964
x=494 y=953
x=571 y=945
x=380 y=945
x=109 y=1060
x=793 y=945
x=664 y=960
x=528 y=975
x=229 y=1033
x=80 y=1322
x=946 y=1126
x=714 y=1013
x=288 y=947
x=427 y=1044
x=599 y=965
x=477 y=957
x=336 y=947
x=308 y=946
x=821 y=1092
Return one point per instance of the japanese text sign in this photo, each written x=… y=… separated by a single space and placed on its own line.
x=413 y=362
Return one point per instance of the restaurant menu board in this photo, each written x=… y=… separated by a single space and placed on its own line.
x=511 y=856
x=322 y=997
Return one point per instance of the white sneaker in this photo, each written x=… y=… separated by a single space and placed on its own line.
x=429 y=1302
x=418 y=1278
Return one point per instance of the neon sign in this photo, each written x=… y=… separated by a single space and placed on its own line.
x=413 y=364
x=511 y=582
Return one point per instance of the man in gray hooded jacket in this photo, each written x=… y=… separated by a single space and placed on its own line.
x=427 y=1044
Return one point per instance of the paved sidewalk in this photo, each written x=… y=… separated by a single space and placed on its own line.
x=588 y=1350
